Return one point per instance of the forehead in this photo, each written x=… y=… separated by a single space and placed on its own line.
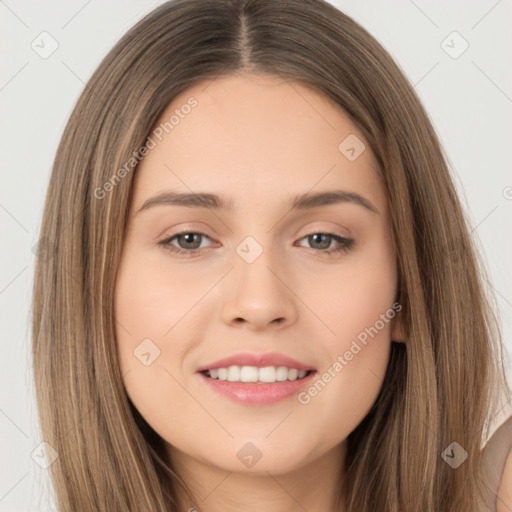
x=254 y=138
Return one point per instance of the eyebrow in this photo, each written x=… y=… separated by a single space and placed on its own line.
x=212 y=201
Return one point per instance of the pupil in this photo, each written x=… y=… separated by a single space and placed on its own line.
x=189 y=238
x=324 y=237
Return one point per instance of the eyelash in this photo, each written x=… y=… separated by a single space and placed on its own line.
x=346 y=244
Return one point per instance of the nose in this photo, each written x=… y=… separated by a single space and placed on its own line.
x=259 y=295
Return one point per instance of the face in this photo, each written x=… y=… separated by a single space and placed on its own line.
x=259 y=275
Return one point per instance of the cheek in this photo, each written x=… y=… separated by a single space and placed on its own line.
x=344 y=393
x=357 y=306
x=148 y=307
x=157 y=312
x=349 y=381
x=145 y=306
x=351 y=299
x=150 y=300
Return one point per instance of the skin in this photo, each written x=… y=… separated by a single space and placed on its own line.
x=497 y=463
x=504 y=503
x=260 y=141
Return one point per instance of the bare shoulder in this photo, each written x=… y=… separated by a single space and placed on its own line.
x=504 y=501
x=497 y=464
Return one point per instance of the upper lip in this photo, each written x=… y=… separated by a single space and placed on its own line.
x=258 y=360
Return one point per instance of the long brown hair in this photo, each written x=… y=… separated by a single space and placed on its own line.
x=441 y=386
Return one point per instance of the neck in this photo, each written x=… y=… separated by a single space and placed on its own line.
x=314 y=487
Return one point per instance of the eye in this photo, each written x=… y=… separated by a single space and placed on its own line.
x=190 y=242
x=324 y=241
x=189 y=239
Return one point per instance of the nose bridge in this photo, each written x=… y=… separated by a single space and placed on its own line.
x=257 y=265
x=260 y=295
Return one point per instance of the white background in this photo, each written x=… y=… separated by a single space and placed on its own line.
x=468 y=98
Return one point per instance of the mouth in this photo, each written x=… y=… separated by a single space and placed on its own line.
x=251 y=385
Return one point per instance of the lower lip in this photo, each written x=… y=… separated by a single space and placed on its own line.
x=254 y=393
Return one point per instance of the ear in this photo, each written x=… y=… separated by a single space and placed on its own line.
x=398 y=332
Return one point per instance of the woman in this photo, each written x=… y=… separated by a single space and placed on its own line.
x=260 y=370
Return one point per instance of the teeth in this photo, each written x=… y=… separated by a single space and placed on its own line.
x=253 y=374
x=247 y=374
